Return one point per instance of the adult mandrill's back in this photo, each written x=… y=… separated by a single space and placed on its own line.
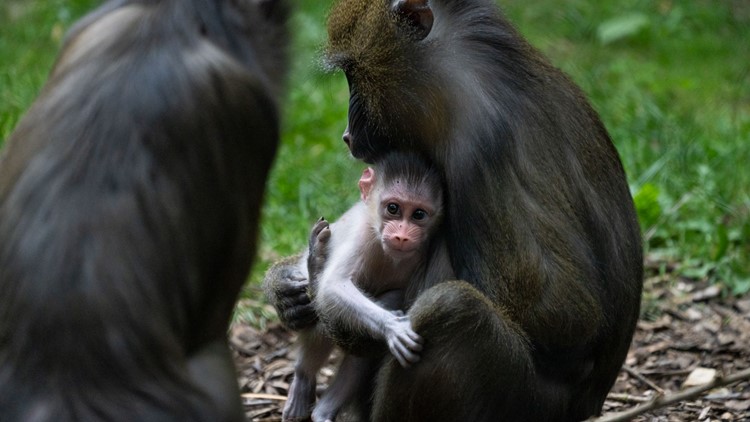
x=129 y=202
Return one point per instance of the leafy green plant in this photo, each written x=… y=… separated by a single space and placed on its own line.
x=647 y=205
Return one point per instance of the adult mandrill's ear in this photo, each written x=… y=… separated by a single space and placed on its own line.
x=417 y=14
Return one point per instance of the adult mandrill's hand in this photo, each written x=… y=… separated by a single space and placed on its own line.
x=286 y=286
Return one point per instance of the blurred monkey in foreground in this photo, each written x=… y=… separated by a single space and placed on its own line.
x=129 y=202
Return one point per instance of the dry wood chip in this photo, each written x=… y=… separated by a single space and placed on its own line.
x=269 y=389
x=692 y=314
x=658 y=347
x=281 y=353
x=248 y=349
x=258 y=387
x=276 y=365
x=737 y=404
x=700 y=376
x=663 y=322
x=723 y=393
x=257 y=366
x=260 y=412
x=743 y=306
x=707 y=293
x=726 y=339
x=712 y=325
x=280 y=385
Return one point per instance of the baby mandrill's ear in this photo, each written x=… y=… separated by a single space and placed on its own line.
x=366 y=182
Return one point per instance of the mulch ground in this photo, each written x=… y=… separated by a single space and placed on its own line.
x=689 y=335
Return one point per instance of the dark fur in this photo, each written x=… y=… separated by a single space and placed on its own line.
x=129 y=202
x=541 y=224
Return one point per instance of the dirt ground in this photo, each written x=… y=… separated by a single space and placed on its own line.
x=688 y=335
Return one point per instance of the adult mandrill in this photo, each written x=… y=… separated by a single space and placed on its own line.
x=542 y=232
x=129 y=203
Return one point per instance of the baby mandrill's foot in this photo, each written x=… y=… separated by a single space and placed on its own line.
x=299 y=404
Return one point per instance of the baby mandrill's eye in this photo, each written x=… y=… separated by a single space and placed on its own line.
x=419 y=215
x=392 y=208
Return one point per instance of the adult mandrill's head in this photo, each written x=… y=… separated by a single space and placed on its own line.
x=386 y=49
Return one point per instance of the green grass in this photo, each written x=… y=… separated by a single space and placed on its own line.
x=675 y=95
x=671 y=80
x=30 y=32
